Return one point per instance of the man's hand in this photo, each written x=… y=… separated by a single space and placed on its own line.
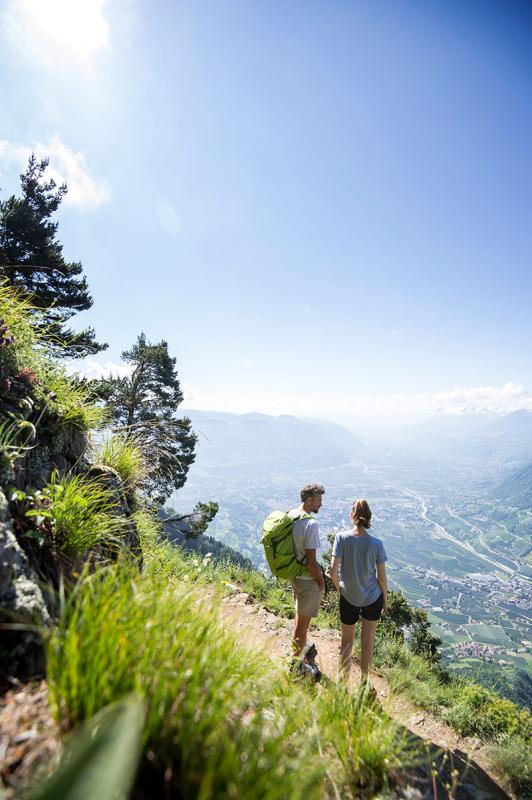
x=321 y=583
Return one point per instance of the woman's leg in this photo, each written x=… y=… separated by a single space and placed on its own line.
x=346 y=648
x=367 y=637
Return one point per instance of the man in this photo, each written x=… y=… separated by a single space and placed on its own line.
x=309 y=587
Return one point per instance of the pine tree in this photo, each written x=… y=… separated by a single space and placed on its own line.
x=144 y=405
x=31 y=259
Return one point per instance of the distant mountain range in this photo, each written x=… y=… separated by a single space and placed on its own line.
x=243 y=442
x=497 y=444
x=516 y=489
x=508 y=440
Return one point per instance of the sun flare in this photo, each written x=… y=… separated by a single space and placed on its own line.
x=77 y=25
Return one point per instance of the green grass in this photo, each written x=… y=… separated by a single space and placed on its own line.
x=84 y=515
x=368 y=747
x=513 y=758
x=55 y=398
x=16 y=312
x=121 y=453
x=468 y=708
x=68 y=398
x=72 y=516
x=222 y=720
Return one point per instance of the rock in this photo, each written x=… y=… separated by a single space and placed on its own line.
x=21 y=602
x=417 y=719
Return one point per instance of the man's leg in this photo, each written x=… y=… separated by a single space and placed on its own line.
x=367 y=637
x=346 y=648
x=300 y=633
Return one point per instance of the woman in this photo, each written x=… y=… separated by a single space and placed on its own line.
x=362 y=585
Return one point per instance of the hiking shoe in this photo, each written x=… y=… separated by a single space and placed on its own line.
x=300 y=669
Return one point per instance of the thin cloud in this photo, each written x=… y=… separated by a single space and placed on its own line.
x=457 y=401
x=66 y=166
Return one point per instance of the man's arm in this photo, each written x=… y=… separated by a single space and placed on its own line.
x=383 y=583
x=314 y=568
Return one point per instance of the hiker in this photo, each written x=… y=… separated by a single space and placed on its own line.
x=309 y=586
x=358 y=573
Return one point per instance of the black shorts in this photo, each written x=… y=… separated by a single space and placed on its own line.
x=350 y=614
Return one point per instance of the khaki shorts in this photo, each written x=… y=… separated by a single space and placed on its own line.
x=308 y=596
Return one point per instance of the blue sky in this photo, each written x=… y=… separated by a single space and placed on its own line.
x=325 y=207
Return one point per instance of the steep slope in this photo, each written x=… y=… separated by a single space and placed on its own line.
x=516 y=489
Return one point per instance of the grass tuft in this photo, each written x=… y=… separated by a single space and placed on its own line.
x=214 y=718
x=513 y=758
x=121 y=453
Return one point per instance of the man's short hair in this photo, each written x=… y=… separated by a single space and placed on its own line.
x=310 y=490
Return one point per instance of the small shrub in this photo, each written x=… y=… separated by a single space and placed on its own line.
x=478 y=711
x=512 y=756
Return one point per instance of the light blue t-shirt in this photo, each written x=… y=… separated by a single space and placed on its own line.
x=358 y=572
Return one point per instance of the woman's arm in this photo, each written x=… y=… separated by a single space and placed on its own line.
x=333 y=574
x=383 y=583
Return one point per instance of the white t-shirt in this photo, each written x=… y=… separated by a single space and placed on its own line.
x=306 y=535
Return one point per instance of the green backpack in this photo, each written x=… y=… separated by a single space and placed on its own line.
x=278 y=544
